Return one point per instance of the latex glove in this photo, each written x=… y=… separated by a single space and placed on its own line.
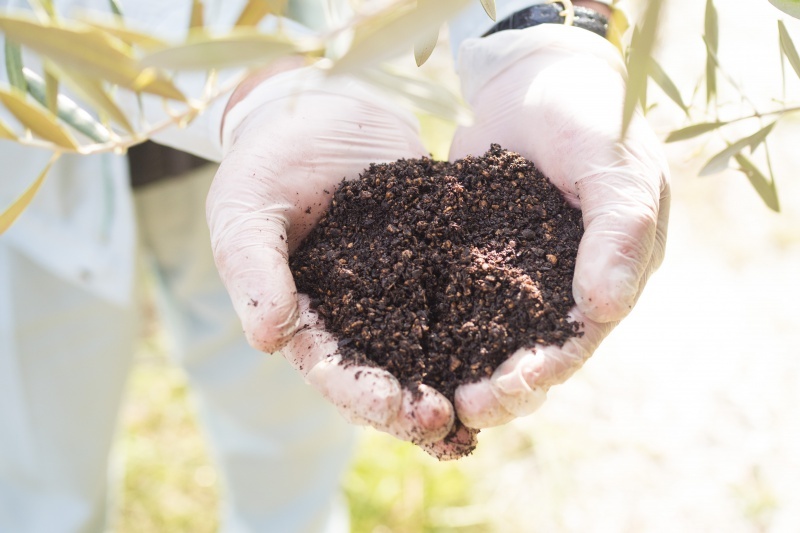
x=287 y=145
x=554 y=94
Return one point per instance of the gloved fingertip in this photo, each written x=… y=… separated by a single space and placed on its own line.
x=270 y=323
x=611 y=297
x=516 y=388
x=432 y=413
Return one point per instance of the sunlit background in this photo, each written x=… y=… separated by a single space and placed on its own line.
x=686 y=419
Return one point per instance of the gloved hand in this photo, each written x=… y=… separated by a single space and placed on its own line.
x=287 y=145
x=554 y=94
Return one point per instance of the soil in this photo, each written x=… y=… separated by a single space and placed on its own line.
x=438 y=271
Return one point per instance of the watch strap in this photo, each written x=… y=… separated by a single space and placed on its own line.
x=534 y=15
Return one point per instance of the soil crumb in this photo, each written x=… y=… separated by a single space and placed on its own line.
x=439 y=271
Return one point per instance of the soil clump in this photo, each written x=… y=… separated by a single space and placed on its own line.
x=438 y=271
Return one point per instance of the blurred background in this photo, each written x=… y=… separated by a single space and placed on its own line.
x=686 y=418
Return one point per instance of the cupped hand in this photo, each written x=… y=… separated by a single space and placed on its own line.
x=287 y=144
x=554 y=94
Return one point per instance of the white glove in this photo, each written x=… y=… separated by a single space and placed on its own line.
x=554 y=94
x=287 y=145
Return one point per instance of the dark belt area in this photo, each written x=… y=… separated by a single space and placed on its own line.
x=585 y=18
x=150 y=163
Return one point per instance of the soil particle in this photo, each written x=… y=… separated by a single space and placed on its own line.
x=438 y=271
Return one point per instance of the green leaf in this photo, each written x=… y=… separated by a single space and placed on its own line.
x=67 y=110
x=638 y=62
x=38 y=120
x=719 y=162
x=788 y=49
x=489 y=7
x=423 y=48
x=16 y=208
x=711 y=37
x=239 y=48
x=658 y=75
x=88 y=50
x=764 y=187
x=393 y=30
x=115 y=8
x=14 y=66
x=693 y=131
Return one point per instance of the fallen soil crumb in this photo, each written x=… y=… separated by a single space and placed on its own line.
x=438 y=271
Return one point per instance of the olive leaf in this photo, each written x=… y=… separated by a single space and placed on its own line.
x=43 y=9
x=720 y=161
x=639 y=61
x=10 y=214
x=38 y=120
x=489 y=7
x=127 y=35
x=394 y=29
x=711 y=38
x=115 y=8
x=764 y=187
x=787 y=48
x=692 y=131
x=255 y=10
x=67 y=110
x=196 y=18
x=50 y=92
x=6 y=132
x=420 y=93
x=423 y=48
x=92 y=92
x=239 y=48
x=14 y=66
x=660 y=77
x=87 y=49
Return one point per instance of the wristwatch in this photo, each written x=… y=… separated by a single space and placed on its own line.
x=534 y=15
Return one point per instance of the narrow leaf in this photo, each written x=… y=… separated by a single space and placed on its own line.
x=720 y=161
x=255 y=10
x=638 y=62
x=67 y=110
x=692 y=131
x=788 y=48
x=6 y=132
x=420 y=93
x=51 y=92
x=393 y=30
x=127 y=35
x=86 y=49
x=92 y=92
x=423 y=48
x=38 y=120
x=115 y=8
x=764 y=187
x=489 y=7
x=196 y=20
x=16 y=208
x=666 y=84
x=14 y=66
x=243 y=47
x=711 y=36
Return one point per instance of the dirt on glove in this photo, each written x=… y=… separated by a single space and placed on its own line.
x=438 y=271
